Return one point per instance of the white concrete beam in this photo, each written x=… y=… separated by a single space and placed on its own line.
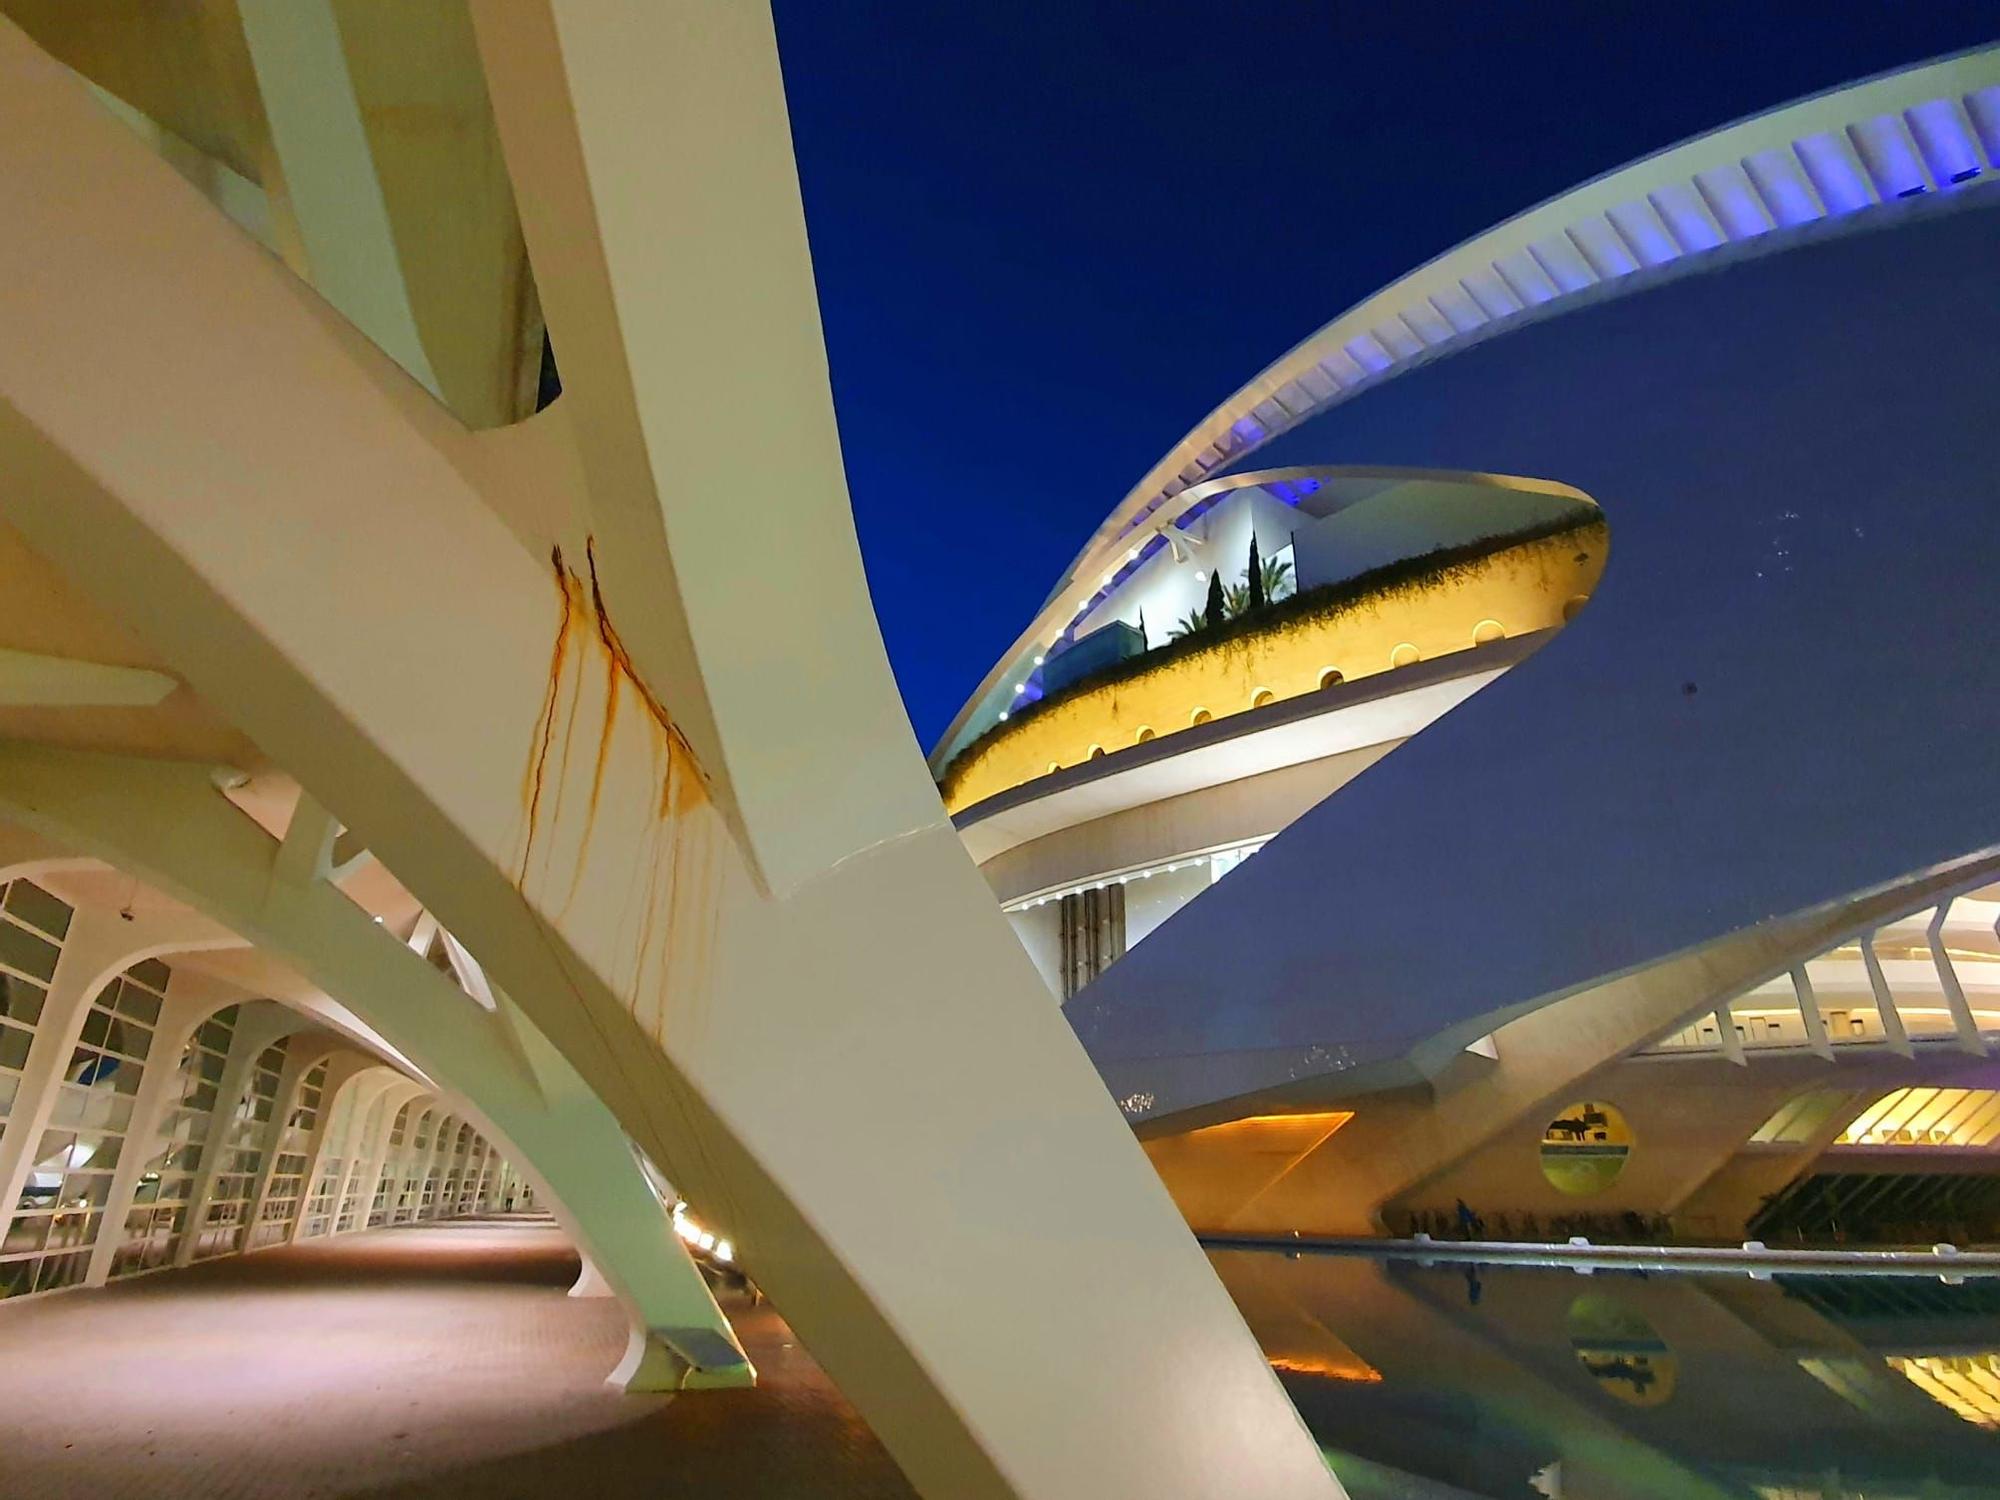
x=329 y=172
x=1885 y=1000
x=29 y=679
x=683 y=842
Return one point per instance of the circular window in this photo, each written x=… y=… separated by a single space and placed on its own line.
x=1097 y=752
x=1145 y=733
x=1405 y=655
x=1054 y=766
x=1585 y=1147
x=1199 y=716
x=1573 y=605
x=1262 y=696
x=1487 y=631
x=1331 y=678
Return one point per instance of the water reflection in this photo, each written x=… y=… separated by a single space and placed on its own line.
x=1457 y=1380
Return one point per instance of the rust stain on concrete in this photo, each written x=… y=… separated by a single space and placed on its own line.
x=674 y=869
x=545 y=722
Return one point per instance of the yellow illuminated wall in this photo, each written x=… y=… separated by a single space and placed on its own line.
x=1928 y=1117
x=1237 y=1160
x=1521 y=589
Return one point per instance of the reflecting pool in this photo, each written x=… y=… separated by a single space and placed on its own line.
x=1446 y=1380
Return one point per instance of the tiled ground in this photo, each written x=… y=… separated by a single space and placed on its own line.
x=435 y=1362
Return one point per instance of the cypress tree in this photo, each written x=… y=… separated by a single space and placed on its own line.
x=1215 y=611
x=1255 y=575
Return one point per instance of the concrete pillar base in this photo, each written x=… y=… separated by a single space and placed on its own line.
x=659 y=1360
x=590 y=1282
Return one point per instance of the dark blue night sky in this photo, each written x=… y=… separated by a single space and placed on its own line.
x=1052 y=234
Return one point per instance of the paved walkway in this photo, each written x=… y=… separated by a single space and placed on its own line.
x=436 y=1362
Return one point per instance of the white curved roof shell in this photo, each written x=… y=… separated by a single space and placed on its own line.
x=1932 y=128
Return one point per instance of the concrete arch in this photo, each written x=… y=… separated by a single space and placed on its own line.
x=710 y=1051
x=429 y=1019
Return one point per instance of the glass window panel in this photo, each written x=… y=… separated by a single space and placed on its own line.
x=1897 y=1116
x=84 y=1065
x=1982 y=1127
x=38 y=908
x=1948 y=1124
x=14 y=1044
x=1935 y=1108
x=151 y=972
x=61 y=1270
x=21 y=1001
x=23 y=950
x=140 y=1006
x=130 y=1039
x=1864 y=1123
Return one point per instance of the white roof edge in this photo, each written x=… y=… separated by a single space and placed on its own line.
x=1862 y=152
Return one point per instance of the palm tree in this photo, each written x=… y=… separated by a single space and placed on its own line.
x=1191 y=623
x=1277 y=572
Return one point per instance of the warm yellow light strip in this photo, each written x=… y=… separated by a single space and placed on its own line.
x=705 y=1240
x=1299 y=1135
x=1967 y=1385
x=1361 y=1372
x=1963 y=1118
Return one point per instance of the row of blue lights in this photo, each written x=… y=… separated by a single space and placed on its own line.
x=1898 y=167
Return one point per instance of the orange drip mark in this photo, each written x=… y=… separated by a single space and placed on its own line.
x=545 y=722
x=573 y=588
x=663 y=884
x=611 y=681
x=663 y=861
x=608 y=634
x=612 y=678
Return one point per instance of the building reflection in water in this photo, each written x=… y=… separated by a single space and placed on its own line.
x=1443 y=1381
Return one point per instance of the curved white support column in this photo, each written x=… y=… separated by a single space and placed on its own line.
x=167 y=824
x=191 y=998
x=590 y=1281
x=669 y=799
x=252 y=1035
